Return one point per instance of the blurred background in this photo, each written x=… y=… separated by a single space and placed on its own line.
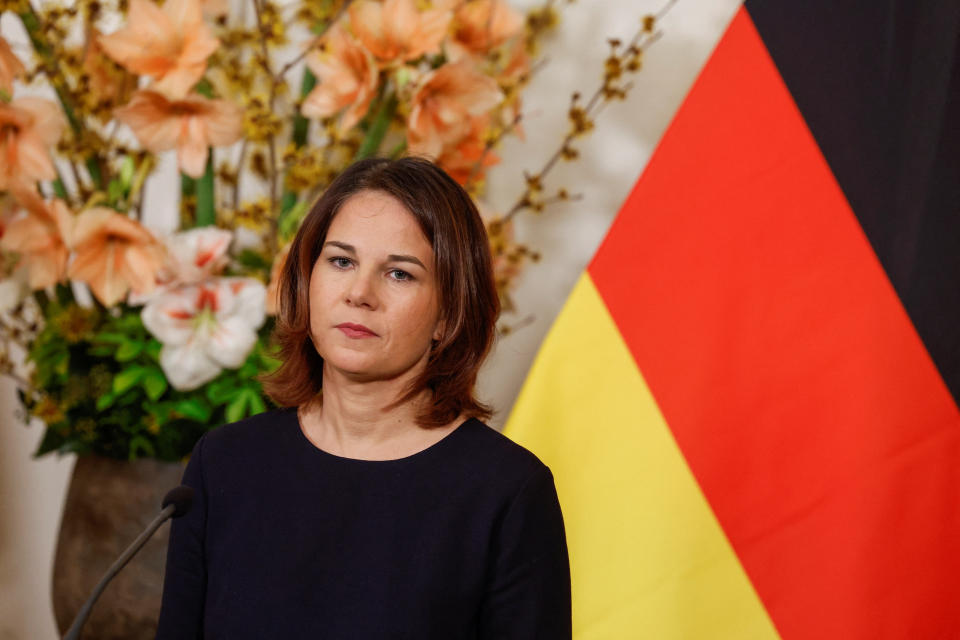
x=726 y=235
x=32 y=491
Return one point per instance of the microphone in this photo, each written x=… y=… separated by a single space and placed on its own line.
x=176 y=503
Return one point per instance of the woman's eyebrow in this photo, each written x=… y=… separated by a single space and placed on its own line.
x=396 y=258
x=349 y=248
x=393 y=257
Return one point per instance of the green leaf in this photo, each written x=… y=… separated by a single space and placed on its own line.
x=140 y=447
x=256 y=404
x=248 y=370
x=222 y=390
x=290 y=221
x=106 y=401
x=154 y=383
x=268 y=362
x=110 y=337
x=253 y=260
x=248 y=402
x=115 y=190
x=237 y=409
x=153 y=349
x=128 y=351
x=159 y=411
x=126 y=172
x=51 y=442
x=62 y=363
x=59 y=190
x=194 y=408
x=93 y=168
x=128 y=323
x=204 y=88
x=127 y=379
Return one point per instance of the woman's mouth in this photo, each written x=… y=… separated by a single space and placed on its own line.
x=355 y=330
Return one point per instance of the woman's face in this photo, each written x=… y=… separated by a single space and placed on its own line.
x=373 y=298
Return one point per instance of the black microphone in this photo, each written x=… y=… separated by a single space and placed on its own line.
x=176 y=503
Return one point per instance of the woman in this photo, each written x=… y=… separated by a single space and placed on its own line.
x=377 y=504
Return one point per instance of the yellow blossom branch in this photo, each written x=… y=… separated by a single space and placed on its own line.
x=582 y=117
x=236 y=184
x=505 y=329
x=488 y=146
x=139 y=180
x=271 y=147
x=21 y=336
x=47 y=52
x=303 y=54
x=532 y=35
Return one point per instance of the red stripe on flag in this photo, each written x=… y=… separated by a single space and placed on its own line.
x=795 y=385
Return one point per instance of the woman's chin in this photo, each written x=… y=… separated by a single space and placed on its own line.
x=364 y=367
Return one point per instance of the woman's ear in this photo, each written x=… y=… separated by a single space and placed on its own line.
x=438 y=331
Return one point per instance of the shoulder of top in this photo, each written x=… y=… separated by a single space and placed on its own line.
x=247 y=431
x=503 y=452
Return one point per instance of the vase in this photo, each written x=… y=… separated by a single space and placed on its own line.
x=109 y=503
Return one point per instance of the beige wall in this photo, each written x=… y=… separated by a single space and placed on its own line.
x=32 y=491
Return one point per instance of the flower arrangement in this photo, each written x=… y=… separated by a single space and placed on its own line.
x=136 y=343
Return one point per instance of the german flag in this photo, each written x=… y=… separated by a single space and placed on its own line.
x=749 y=401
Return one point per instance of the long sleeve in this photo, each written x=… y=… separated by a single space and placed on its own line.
x=185 y=579
x=528 y=594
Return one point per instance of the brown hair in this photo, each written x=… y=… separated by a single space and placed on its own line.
x=469 y=305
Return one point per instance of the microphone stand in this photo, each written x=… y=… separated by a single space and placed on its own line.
x=74 y=632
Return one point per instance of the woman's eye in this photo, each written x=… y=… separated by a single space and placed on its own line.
x=400 y=275
x=340 y=262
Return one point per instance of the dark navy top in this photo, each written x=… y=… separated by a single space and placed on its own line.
x=464 y=539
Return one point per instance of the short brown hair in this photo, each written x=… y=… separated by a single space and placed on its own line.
x=469 y=305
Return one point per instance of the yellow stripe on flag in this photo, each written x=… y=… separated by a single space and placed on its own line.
x=648 y=558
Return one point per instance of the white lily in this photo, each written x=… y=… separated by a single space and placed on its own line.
x=197 y=254
x=205 y=327
x=193 y=257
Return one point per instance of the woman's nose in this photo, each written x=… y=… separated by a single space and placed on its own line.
x=362 y=291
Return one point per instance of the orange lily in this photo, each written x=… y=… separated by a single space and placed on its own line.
x=480 y=25
x=171 y=44
x=215 y=8
x=445 y=104
x=190 y=126
x=10 y=67
x=395 y=29
x=468 y=156
x=28 y=126
x=41 y=235
x=114 y=254
x=347 y=75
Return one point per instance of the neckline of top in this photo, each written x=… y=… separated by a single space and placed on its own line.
x=444 y=441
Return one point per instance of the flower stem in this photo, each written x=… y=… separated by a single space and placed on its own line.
x=206 y=209
x=398 y=150
x=31 y=23
x=301 y=126
x=136 y=186
x=301 y=129
x=378 y=128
